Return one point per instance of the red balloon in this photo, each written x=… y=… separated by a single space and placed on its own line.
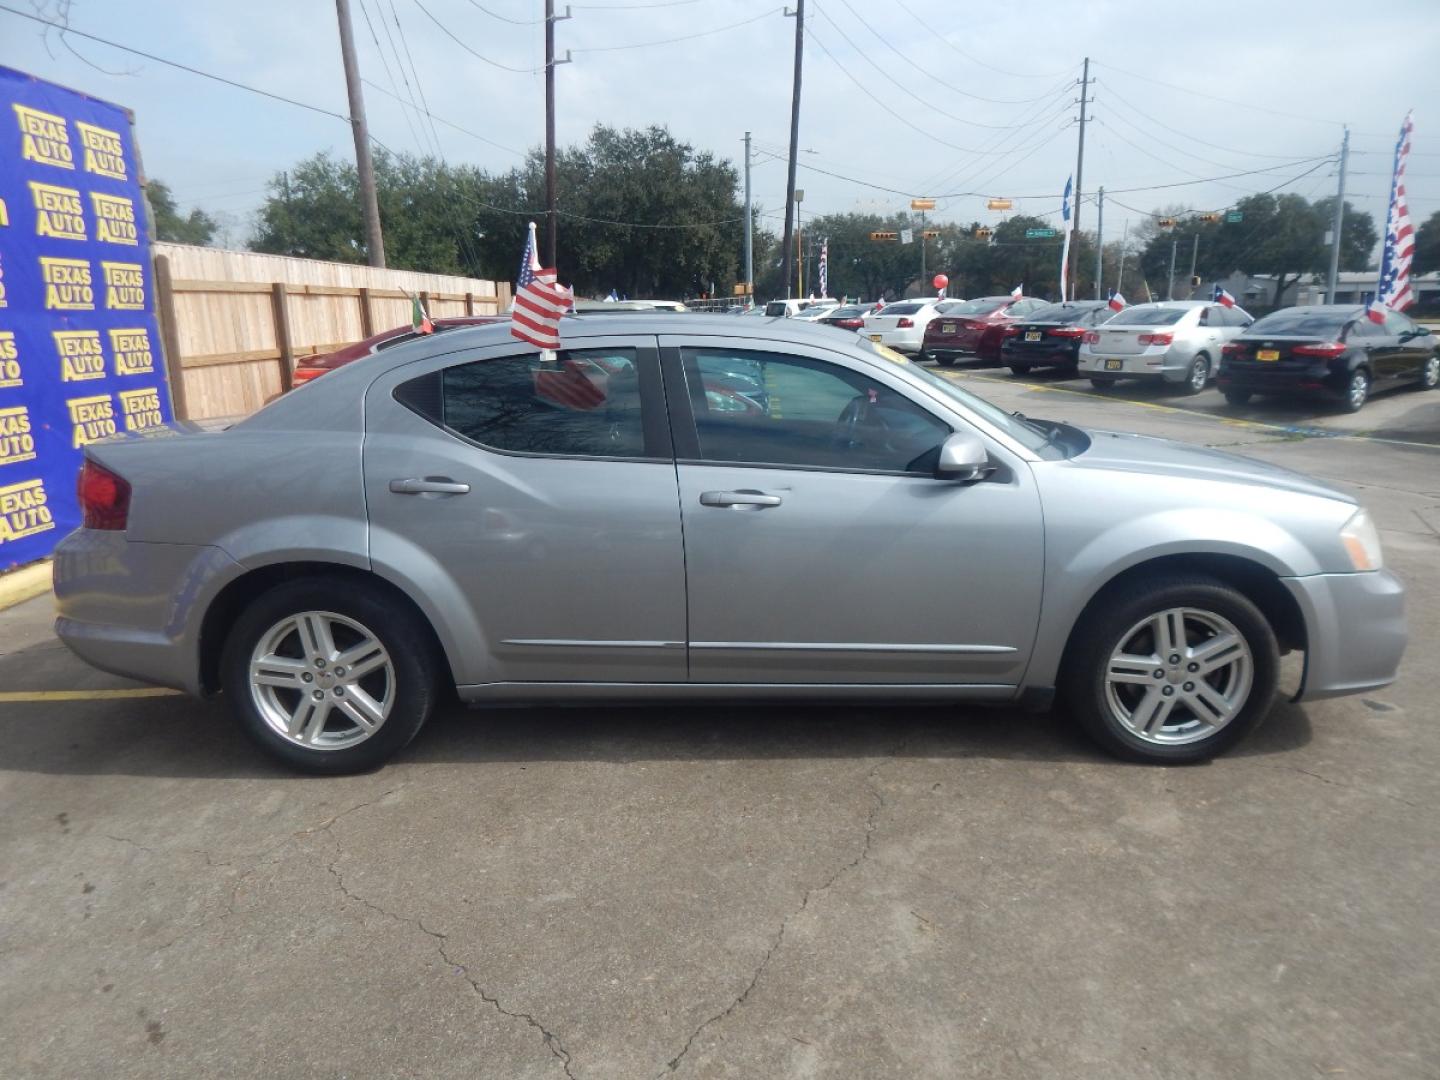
x=940 y=281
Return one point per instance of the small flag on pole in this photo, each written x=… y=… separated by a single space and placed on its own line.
x=420 y=318
x=1065 y=247
x=1222 y=297
x=1117 y=302
x=1017 y=292
x=539 y=301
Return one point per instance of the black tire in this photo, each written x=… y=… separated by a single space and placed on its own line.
x=1237 y=397
x=1101 y=384
x=1357 y=391
x=404 y=635
x=1111 y=617
x=1199 y=371
x=946 y=360
x=1019 y=369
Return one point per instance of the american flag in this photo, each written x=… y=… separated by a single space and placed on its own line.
x=539 y=300
x=825 y=267
x=1065 y=247
x=1393 y=291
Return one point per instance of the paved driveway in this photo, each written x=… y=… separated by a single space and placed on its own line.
x=740 y=891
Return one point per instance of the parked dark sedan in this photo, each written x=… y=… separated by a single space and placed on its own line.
x=847 y=316
x=1050 y=336
x=1333 y=349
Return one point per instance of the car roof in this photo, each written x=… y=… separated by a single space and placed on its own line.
x=1320 y=309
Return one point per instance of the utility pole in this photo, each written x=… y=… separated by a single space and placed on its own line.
x=789 y=242
x=1099 y=240
x=1194 y=258
x=922 y=252
x=1079 y=179
x=1339 y=222
x=364 y=166
x=550 y=216
x=749 y=243
x=1124 y=241
x=1170 y=295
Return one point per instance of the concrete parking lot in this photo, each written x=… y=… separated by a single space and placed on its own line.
x=740 y=891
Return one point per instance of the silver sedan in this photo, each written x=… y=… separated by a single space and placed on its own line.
x=1177 y=341
x=626 y=520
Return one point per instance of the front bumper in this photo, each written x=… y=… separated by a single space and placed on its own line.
x=1355 y=631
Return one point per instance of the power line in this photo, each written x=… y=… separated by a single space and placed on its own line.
x=409 y=124
x=478 y=56
x=671 y=41
x=1230 y=176
x=174 y=63
x=974 y=59
x=447 y=123
x=505 y=18
x=638 y=7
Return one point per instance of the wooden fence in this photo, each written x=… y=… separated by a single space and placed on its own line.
x=235 y=323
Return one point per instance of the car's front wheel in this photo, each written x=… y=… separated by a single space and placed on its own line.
x=1171 y=670
x=330 y=676
x=1019 y=369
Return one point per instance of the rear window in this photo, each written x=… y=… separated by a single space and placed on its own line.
x=1060 y=313
x=974 y=307
x=901 y=309
x=1301 y=323
x=775 y=308
x=1163 y=316
x=846 y=312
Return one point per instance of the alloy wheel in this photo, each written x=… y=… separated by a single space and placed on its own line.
x=1358 y=390
x=1178 y=676
x=1430 y=377
x=321 y=680
x=1199 y=374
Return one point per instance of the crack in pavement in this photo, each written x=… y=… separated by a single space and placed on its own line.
x=1347 y=787
x=864 y=853
x=552 y=1041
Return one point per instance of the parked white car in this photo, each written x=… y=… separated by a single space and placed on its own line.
x=818 y=309
x=793 y=309
x=901 y=325
x=1178 y=341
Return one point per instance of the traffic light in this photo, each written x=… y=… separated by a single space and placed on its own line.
x=884 y=236
x=1167 y=223
x=932 y=234
x=1194 y=281
x=983 y=233
x=1211 y=218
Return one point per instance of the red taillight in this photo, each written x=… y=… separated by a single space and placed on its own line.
x=1233 y=349
x=1156 y=339
x=850 y=324
x=1092 y=337
x=1067 y=332
x=905 y=324
x=1328 y=351
x=305 y=374
x=104 y=497
x=1012 y=331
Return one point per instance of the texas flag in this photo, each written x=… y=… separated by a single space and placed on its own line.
x=1117 y=302
x=1223 y=298
x=1017 y=292
x=1375 y=312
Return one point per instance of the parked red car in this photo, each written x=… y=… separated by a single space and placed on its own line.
x=974 y=327
x=310 y=367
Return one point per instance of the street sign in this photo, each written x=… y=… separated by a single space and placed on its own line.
x=922 y=204
x=799 y=194
x=884 y=236
x=1235 y=215
x=1039 y=234
x=999 y=204
x=907 y=236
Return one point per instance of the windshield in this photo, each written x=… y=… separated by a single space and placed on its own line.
x=983 y=306
x=1061 y=313
x=1301 y=323
x=1027 y=436
x=1149 y=316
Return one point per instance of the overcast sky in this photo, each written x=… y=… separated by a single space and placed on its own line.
x=971 y=98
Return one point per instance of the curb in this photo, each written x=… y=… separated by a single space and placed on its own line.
x=28 y=582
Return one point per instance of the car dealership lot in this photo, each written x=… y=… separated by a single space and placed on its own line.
x=745 y=891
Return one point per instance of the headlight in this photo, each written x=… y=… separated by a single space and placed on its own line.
x=1362 y=542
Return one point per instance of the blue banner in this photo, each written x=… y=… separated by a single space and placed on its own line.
x=79 y=346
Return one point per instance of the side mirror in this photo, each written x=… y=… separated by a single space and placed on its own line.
x=963 y=458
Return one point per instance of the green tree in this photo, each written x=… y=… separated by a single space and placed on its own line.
x=196 y=227
x=1427 y=245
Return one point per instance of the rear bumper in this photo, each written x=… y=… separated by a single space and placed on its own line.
x=134 y=609
x=1355 y=631
x=899 y=340
x=1135 y=366
x=1019 y=354
x=1263 y=381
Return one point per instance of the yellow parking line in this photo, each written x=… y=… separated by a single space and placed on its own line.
x=86 y=695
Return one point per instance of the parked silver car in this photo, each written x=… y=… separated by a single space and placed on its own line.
x=456 y=511
x=1178 y=341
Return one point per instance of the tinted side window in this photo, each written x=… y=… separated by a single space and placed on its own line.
x=1395 y=323
x=584 y=404
x=761 y=409
x=1364 y=328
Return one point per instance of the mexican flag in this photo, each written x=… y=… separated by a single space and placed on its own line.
x=419 y=319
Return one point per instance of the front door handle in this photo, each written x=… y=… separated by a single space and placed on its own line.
x=738 y=498
x=430 y=485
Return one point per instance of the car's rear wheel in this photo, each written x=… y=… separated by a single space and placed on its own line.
x=1102 y=384
x=1198 y=375
x=1237 y=397
x=1171 y=670
x=1430 y=374
x=329 y=676
x=945 y=359
x=1019 y=369
x=1357 y=390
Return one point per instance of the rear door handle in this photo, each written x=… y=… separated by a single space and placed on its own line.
x=739 y=498
x=430 y=485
